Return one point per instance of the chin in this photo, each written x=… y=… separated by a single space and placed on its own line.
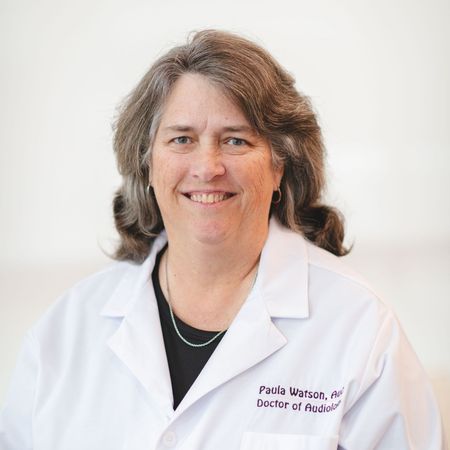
x=211 y=233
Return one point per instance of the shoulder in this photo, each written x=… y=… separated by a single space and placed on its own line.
x=341 y=287
x=104 y=281
x=298 y=254
x=327 y=265
x=299 y=276
x=108 y=293
x=83 y=302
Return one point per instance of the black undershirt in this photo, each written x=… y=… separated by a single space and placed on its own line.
x=185 y=362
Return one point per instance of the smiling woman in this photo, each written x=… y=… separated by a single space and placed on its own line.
x=215 y=182
x=230 y=322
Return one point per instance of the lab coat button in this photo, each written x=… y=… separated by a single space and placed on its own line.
x=169 y=439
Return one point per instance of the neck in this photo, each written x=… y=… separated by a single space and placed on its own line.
x=209 y=283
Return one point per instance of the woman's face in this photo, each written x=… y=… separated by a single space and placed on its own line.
x=211 y=173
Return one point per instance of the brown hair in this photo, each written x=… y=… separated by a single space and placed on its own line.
x=266 y=94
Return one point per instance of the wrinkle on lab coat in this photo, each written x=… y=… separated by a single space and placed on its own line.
x=313 y=360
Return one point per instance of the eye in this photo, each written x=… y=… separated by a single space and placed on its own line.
x=237 y=141
x=182 y=140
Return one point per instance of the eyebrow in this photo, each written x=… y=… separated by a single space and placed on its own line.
x=233 y=129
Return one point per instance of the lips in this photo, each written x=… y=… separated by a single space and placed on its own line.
x=208 y=197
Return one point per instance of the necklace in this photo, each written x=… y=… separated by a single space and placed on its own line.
x=175 y=326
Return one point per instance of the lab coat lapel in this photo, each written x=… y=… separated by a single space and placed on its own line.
x=250 y=339
x=138 y=342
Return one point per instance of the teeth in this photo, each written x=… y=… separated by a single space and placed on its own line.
x=208 y=198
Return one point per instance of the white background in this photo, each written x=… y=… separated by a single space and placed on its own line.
x=377 y=72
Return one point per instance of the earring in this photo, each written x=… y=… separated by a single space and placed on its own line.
x=279 y=196
x=147 y=189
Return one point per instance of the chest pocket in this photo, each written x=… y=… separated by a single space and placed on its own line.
x=270 y=441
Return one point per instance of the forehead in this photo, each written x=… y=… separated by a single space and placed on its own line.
x=194 y=98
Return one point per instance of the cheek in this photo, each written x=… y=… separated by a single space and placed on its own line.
x=164 y=173
x=258 y=180
x=264 y=175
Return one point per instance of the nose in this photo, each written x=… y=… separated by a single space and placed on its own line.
x=208 y=163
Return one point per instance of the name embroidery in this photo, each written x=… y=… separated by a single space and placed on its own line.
x=329 y=402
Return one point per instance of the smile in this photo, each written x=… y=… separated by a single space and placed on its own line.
x=210 y=197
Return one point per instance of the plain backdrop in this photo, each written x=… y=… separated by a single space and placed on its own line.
x=377 y=73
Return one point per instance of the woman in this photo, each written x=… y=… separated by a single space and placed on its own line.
x=229 y=323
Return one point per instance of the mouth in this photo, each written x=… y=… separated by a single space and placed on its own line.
x=208 y=198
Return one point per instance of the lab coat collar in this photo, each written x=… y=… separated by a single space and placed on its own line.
x=284 y=259
x=136 y=276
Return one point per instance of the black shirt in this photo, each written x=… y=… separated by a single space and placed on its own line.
x=185 y=362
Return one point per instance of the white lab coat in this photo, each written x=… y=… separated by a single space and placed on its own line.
x=313 y=361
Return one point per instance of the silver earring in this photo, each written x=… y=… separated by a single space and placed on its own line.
x=148 y=188
x=279 y=196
